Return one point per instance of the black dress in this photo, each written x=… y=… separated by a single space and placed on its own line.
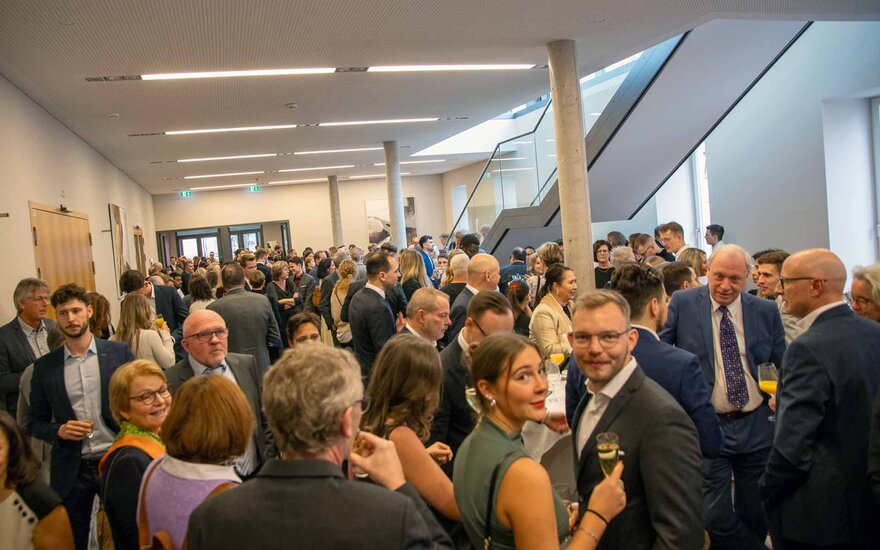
x=603 y=276
x=521 y=324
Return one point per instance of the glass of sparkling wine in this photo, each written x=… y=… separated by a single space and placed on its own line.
x=608 y=446
x=473 y=399
x=768 y=377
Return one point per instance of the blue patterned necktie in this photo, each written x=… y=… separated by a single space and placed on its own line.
x=737 y=392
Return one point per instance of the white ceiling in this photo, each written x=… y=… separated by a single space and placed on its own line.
x=48 y=48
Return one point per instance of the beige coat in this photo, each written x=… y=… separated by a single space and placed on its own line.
x=549 y=327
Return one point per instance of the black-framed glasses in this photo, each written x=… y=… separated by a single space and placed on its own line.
x=476 y=324
x=607 y=339
x=785 y=280
x=207 y=335
x=149 y=397
x=40 y=299
x=365 y=403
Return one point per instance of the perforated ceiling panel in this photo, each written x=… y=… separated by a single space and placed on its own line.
x=48 y=48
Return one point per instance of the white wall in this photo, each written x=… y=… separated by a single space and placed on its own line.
x=766 y=160
x=675 y=202
x=466 y=175
x=42 y=161
x=307 y=206
x=852 y=219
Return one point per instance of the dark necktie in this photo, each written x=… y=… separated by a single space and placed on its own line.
x=737 y=392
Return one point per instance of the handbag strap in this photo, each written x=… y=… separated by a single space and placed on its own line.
x=487 y=531
x=142 y=521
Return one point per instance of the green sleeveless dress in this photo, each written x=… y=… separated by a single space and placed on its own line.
x=485 y=448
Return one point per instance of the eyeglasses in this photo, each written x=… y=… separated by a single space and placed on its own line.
x=861 y=302
x=606 y=339
x=41 y=299
x=476 y=324
x=149 y=397
x=785 y=280
x=365 y=403
x=309 y=338
x=208 y=335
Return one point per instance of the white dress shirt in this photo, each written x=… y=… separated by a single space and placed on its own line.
x=719 y=394
x=599 y=402
x=808 y=321
x=376 y=289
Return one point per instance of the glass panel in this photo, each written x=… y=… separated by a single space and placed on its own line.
x=189 y=247
x=233 y=241
x=209 y=244
x=250 y=241
x=486 y=201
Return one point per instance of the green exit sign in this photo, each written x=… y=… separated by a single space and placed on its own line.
x=184 y=194
x=254 y=188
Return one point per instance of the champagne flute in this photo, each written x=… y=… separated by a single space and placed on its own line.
x=473 y=399
x=768 y=378
x=608 y=446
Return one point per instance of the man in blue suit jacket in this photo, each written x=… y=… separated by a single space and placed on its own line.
x=731 y=332
x=815 y=489
x=372 y=322
x=69 y=406
x=516 y=268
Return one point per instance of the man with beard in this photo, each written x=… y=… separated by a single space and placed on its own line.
x=69 y=406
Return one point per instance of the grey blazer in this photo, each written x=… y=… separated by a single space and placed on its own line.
x=251 y=323
x=15 y=355
x=244 y=369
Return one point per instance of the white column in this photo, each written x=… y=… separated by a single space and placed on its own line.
x=335 y=211
x=571 y=161
x=395 y=195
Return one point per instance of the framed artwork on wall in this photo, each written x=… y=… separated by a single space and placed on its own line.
x=378 y=220
x=119 y=235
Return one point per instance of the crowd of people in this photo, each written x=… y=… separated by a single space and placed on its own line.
x=352 y=398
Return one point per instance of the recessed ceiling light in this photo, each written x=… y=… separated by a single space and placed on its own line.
x=261 y=155
x=231 y=74
x=220 y=187
x=414 y=162
x=284 y=182
x=388 y=121
x=426 y=68
x=238 y=129
x=327 y=151
x=369 y=176
x=317 y=168
x=222 y=175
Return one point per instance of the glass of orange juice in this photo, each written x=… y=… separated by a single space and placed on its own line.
x=768 y=378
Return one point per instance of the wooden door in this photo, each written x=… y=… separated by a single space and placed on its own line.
x=62 y=247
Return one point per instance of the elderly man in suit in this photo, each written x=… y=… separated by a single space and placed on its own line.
x=484 y=273
x=662 y=474
x=372 y=321
x=815 y=490
x=249 y=317
x=24 y=339
x=69 y=406
x=205 y=339
x=731 y=332
x=318 y=387
x=163 y=300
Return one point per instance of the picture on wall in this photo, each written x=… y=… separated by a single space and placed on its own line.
x=379 y=220
x=120 y=237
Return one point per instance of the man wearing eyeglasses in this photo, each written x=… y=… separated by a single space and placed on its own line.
x=205 y=339
x=24 y=339
x=815 y=489
x=662 y=453
x=731 y=332
x=69 y=406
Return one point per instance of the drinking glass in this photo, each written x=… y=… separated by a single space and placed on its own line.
x=160 y=321
x=473 y=399
x=768 y=378
x=608 y=446
x=91 y=433
x=358 y=449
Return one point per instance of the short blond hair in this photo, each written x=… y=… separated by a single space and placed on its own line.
x=120 y=384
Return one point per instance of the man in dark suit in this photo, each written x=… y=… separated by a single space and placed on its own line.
x=488 y=313
x=516 y=268
x=249 y=317
x=815 y=490
x=483 y=274
x=24 y=339
x=205 y=341
x=302 y=284
x=731 y=332
x=69 y=406
x=319 y=387
x=371 y=319
x=662 y=473
x=262 y=255
x=676 y=370
x=185 y=276
x=164 y=301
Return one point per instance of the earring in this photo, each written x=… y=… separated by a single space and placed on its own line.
x=491 y=401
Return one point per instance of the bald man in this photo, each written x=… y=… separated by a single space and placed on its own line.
x=731 y=332
x=484 y=273
x=815 y=490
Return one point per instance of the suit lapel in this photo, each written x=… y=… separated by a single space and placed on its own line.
x=748 y=330
x=106 y=370
x=612 y=411
x=705 y=311
x=60 y=386
x=23 y=341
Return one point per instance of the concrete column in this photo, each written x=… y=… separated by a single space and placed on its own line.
x=335 y=211
x=395 y=195
x=571 y=161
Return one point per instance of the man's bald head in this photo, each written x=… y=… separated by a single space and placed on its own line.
x=822 y=264
x=484 y=272
x=199 y=318
x=813 y=278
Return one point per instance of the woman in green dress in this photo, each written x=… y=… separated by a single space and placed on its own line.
x=511 y=387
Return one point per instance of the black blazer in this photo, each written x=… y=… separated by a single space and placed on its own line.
x=246 y=372
x=458 y=315
x=396 y=299
x=310 y=504
x=15 y=355
x=172 y=308
x=454 y=419
x=815 y=488
x=328 y=283
x=410 y=287
x=662 y=476
x=372 y=324
x=50 y=408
